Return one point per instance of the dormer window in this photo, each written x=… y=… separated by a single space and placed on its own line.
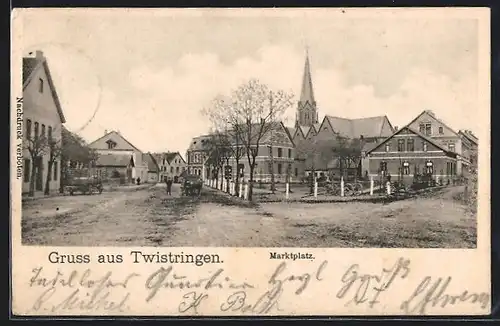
x=428 y=129
x=111 y=144
x=40 y=85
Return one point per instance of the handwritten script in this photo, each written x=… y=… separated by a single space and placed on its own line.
x=84 y=291
x=434 y=293
x=171 y=290
x=365 y=287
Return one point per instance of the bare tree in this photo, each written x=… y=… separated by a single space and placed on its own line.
x=348 y=153
x=228 y=128
x=260 y=109
x=37 y=147
x=317 y=154
x=251 y=112
x=54 y=147
x=218 y=150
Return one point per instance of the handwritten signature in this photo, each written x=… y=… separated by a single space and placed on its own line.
x=87 y=292
x=237 y=301
x=368 y=287
x=433 y=293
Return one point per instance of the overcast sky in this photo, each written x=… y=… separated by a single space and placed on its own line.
x=149 y=75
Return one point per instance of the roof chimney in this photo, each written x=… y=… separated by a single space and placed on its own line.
x=396 y=128
x=38 y=54
x=431 y=112
x=105 y=131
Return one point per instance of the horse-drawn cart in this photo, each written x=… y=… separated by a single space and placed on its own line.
x=191 y=185
x=84 y=185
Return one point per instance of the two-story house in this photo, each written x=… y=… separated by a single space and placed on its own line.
x=43 y=121
x=469 y=150
x=409 y=152
x=275 y=156
x=197 y=153
x=119 y=159
x=171 y=165
x=429 y=125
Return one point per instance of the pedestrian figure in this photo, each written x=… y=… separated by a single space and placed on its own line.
x=169 y=186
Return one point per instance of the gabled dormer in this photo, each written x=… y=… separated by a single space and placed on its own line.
x=429 y=125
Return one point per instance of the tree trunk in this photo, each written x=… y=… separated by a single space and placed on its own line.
x=250 y=185
x=47 y=179
x=64 y=175
x=313 y=177
x=228 y=180
x=31 y=192
x=237 y=181
x=273 y=186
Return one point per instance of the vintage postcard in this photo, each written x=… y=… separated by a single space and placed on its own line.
x=247 y=162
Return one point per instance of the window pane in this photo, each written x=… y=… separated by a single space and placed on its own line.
x=401 y=145
x=410 y=145
x=36 y=130
x=428 y=129
x=28 y=129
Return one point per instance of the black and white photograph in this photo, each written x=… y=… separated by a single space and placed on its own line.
x=241 y=162
x=249 y=131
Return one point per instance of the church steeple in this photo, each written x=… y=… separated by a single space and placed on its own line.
x=307 y=94
x=307 y=114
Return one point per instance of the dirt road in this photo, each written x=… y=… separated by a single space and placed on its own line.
x=148 y=217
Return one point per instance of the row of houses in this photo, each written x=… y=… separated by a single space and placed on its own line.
x=118 y=160
x=426 y=145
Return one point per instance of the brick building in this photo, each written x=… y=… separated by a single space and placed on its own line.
x=408 y=152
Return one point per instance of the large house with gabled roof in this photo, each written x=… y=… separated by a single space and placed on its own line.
x=409 y=152
x=43 y=118
x=118 y=159
x=428 y=124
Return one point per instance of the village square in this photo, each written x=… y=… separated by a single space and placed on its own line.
x=252 y=180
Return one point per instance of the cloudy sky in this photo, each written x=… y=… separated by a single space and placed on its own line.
x=148 y=73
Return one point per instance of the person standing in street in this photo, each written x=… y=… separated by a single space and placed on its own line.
x=169 y=186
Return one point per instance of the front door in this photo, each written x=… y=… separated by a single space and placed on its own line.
x=39 y=174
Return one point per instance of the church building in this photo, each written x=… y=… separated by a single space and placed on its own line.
x=315 y=141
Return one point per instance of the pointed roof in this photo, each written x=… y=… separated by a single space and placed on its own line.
x=30 y=65
x=431 y=114
x=96 y=143
x=305 y=130
x=407 y=127
x=354 y=128
x=151 y=161
x=307 y=94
